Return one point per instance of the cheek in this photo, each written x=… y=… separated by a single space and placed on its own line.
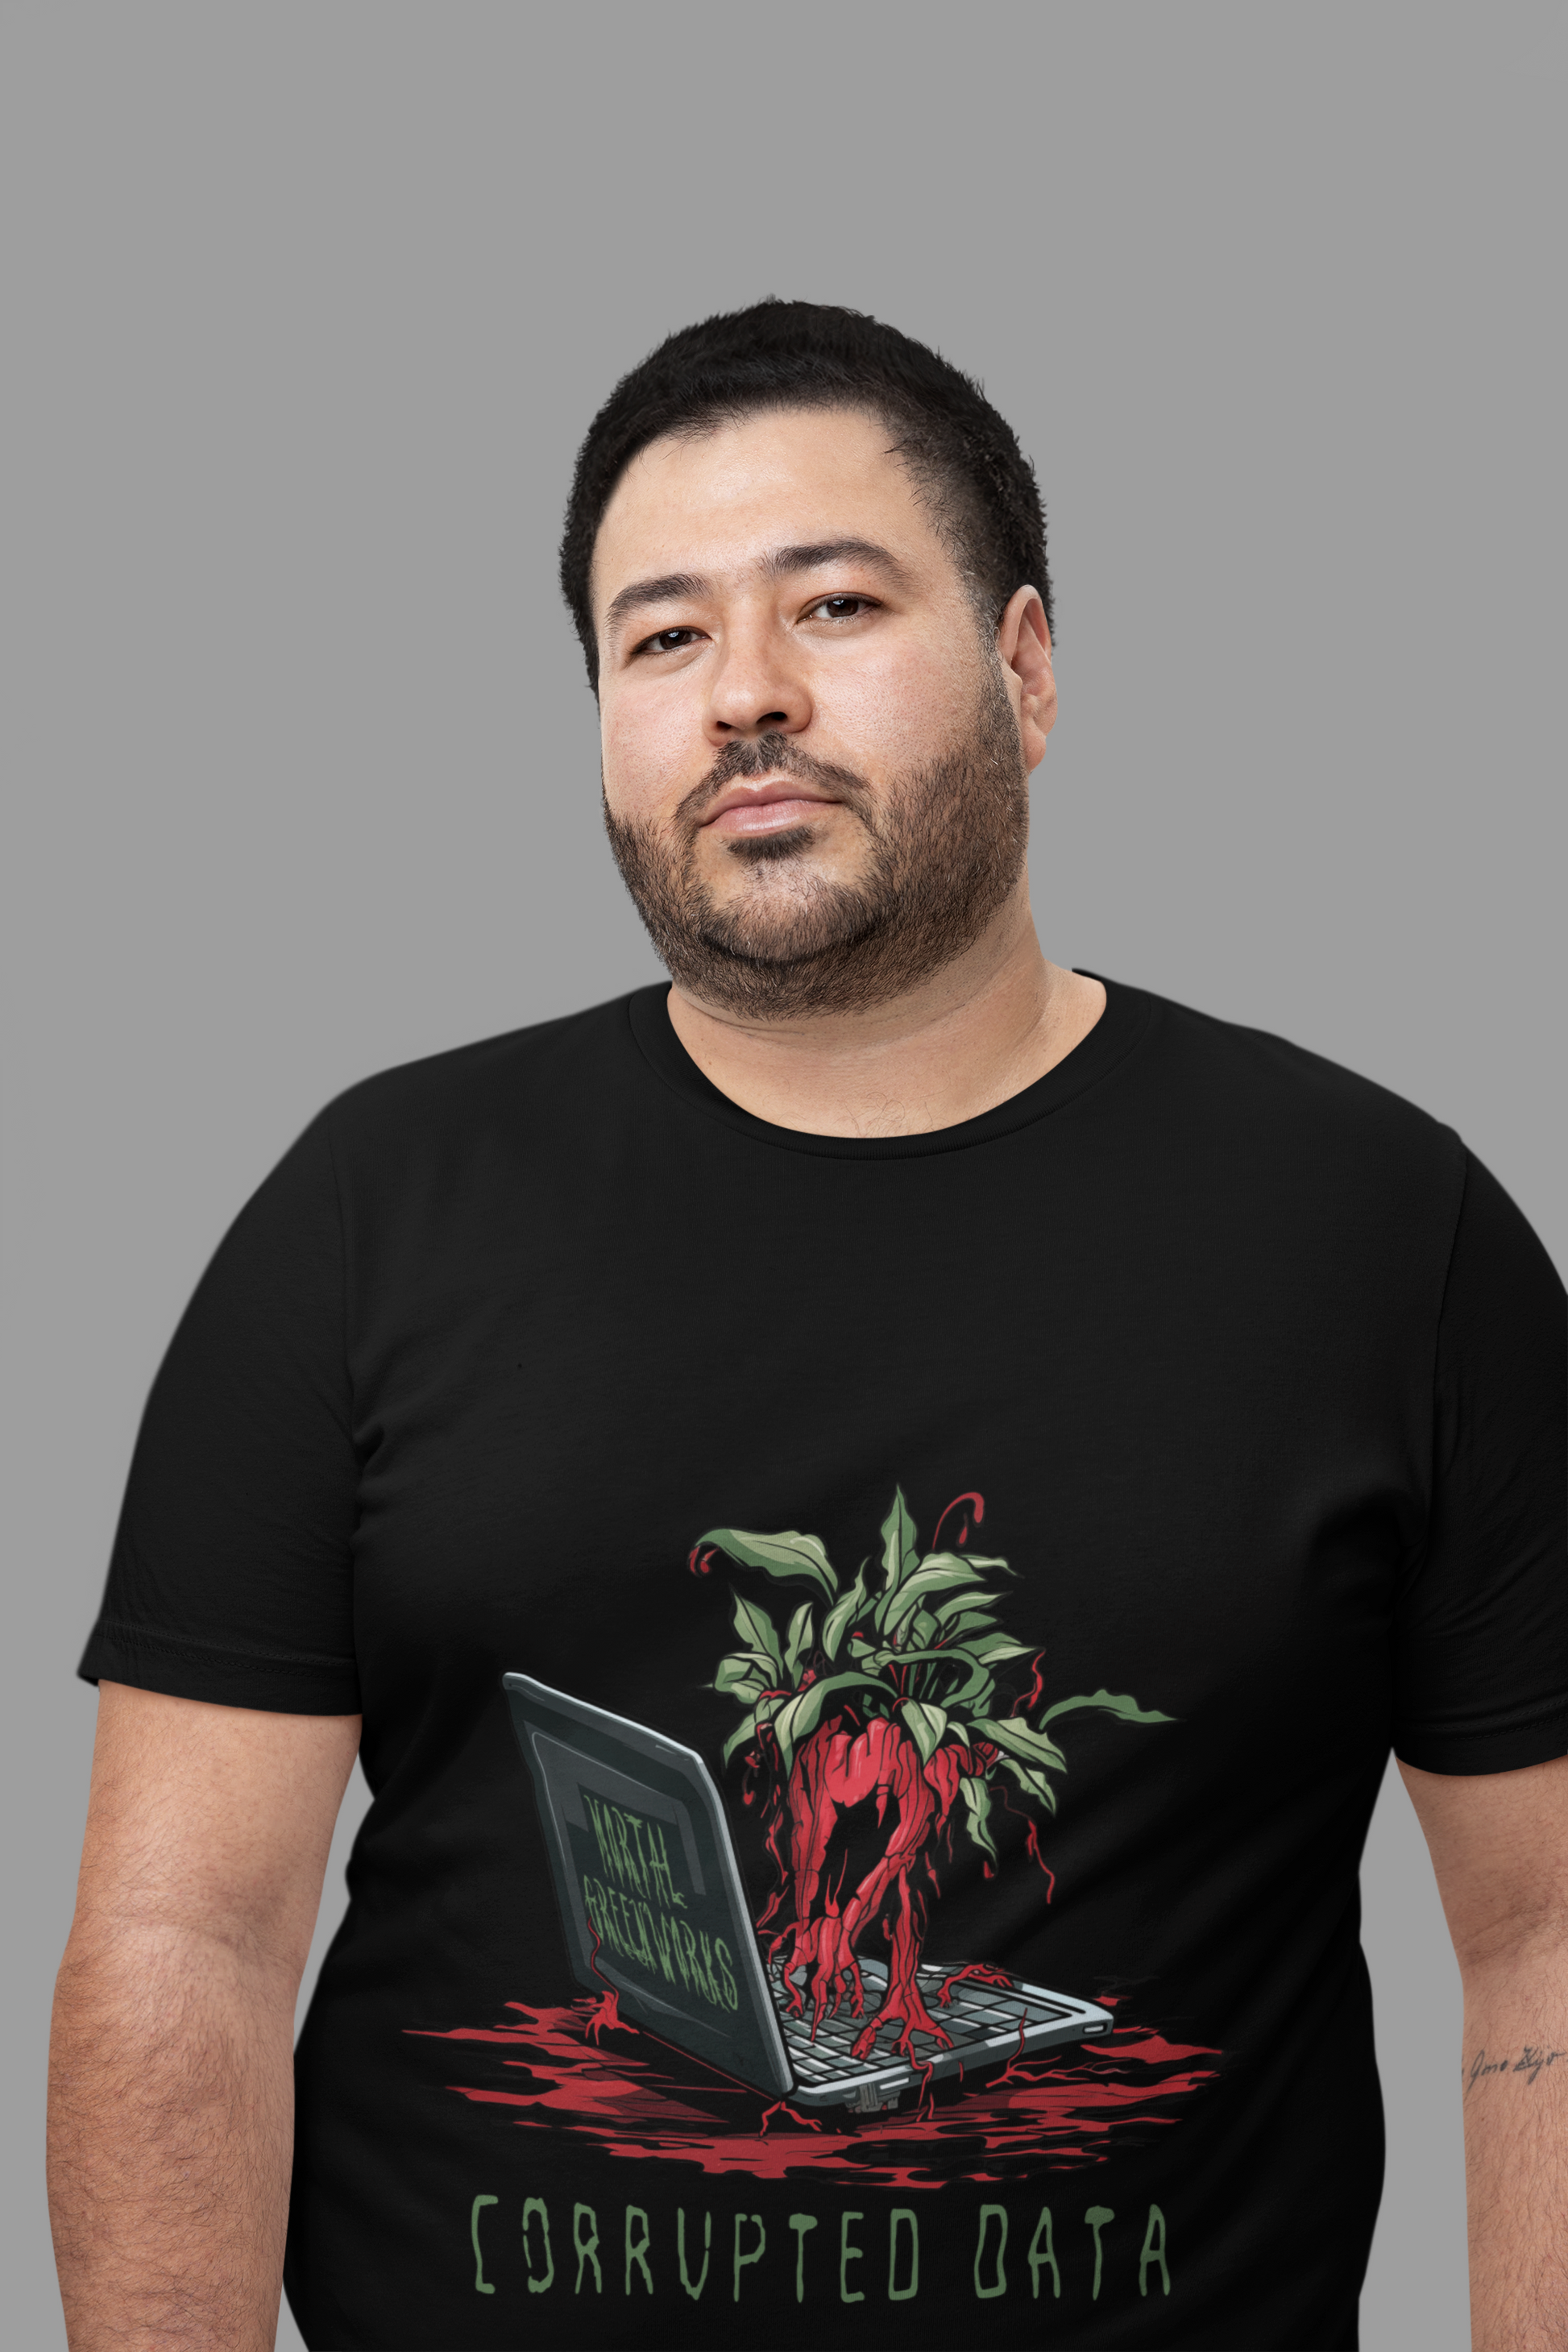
x=644 y=743
x=899 y=707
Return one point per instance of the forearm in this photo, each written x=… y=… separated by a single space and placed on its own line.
x=171 y=2119
x=1516 y=2147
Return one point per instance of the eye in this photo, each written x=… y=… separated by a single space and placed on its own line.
x=840 y=608
x=668 y=641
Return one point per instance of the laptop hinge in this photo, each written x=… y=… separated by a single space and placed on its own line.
x=870 y=2100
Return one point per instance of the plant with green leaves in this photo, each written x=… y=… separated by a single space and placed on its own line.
x=887 y=1693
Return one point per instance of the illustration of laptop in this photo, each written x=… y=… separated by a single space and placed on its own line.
x=653 y=1906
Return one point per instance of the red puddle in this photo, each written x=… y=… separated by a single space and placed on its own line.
x=634 y=2096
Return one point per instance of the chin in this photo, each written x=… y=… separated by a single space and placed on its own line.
x=771 y=848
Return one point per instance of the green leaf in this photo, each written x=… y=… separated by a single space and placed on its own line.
x=1033 y=1784
x=755 y=1661
x=959 y=1621
x=977 y=1687
x=757 y=1631
x=783 y=1556
x=938 y=1575
x=739 y=1676
x=976 y=1795
x=995 y=1647
x=842 y=1614
x=1012 y=1735
x=924 y=1628
x=983 y=1561
x=899 y=1552
x=737 y=1737
x=925 y=1725
x=763 y=1712
x=798 y=1642
x=975 y=1704
x=962 y=1600
x=1108 y=1703
x=948 y=1609
x=798 y=1717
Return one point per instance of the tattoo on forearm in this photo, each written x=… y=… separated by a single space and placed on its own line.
x=1531 y=2063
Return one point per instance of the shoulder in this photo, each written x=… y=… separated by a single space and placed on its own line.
x=1228 y=1062
x=524 y=1079
x=1271 y=1112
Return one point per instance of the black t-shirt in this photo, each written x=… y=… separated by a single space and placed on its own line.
x=542 y=1358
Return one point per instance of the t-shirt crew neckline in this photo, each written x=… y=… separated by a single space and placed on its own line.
x=1120 y=1029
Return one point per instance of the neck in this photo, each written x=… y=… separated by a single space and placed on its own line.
x=971 y=1036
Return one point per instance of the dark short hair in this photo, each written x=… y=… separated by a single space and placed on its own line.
x=776 y=355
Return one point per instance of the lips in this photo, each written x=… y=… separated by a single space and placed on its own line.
x=768 y=807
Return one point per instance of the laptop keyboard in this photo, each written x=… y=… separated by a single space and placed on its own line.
x=975 y=2014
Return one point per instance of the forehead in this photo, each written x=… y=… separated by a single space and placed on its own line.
x=712 y=503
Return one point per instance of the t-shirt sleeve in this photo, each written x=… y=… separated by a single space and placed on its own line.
x=231 y=1578
x=1481 y=1634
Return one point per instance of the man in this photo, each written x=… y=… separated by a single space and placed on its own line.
x=838 y=1394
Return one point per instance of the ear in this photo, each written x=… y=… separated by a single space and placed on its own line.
x=1024 y=645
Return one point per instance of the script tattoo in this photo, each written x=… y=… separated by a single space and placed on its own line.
x=1531 y=2064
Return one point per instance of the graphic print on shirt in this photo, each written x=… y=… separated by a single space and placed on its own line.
x=889 y=1725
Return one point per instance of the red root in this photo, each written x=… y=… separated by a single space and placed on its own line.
x=605 y=2017
x=977 y=1973
x=783 y=2108
x=924 y=2104
x=836 y=1770
x=1032 y=1846
x=1006 y=2073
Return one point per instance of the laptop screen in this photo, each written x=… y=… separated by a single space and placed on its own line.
x=651 y=1899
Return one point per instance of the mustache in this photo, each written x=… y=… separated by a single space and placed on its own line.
x=772 y=755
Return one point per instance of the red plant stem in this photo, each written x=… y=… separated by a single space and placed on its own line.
x=979 y=1502
x=1028 y=1700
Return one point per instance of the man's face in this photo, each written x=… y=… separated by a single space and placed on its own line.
x=815 y=778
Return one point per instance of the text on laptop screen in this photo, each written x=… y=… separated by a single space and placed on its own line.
x=637 y=1898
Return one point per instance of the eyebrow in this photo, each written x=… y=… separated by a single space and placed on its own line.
x=778 y=564
x=815 y=555
x=651 y=591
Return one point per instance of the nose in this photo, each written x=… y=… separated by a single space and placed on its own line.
x=756 y=688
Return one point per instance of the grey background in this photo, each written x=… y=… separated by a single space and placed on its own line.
x=305 y=308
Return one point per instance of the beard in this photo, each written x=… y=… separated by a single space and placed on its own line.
x=944 y=849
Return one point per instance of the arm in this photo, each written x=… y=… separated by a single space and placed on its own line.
x=1499 y=1847
x=171 y=2091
